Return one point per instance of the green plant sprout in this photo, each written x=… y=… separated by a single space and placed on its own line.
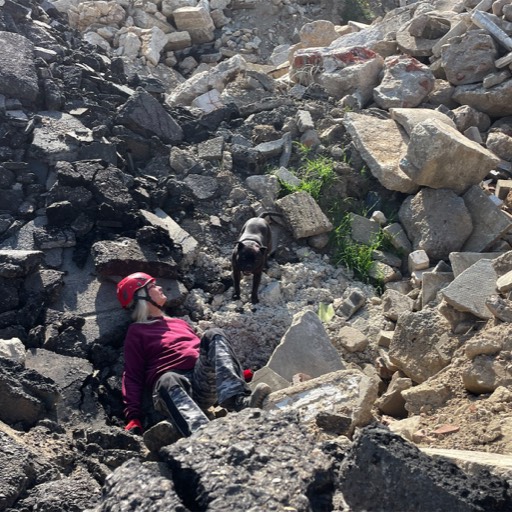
x=355 y=256
x=314 y=172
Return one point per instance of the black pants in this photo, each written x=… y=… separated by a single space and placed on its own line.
x=216 y=378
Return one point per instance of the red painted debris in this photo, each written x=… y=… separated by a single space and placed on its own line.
x=446 y=429
x=353 y=55
x=343 y=57
x=309 y=57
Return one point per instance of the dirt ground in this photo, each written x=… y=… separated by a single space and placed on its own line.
x=467 y=421
x=470 y=423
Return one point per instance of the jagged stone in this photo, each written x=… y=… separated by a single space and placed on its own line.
x=363 y=230
x=438 y=156
x=406 y=83
x=392 y=402
x=382 y=145
x=17 y=70
x=489 y=221
x=13 y=349
x=303 y=215
x=408 y=118
x=470 y=289
x=334 y=394
x=27 y=396
x=352 y=339
x=143 y=113
x=350 y=70
x=71 y=374
x=488 y=101
x=289 y=358
x=421 y=347
x=437 y=488
x=123 y=257
x=432 y=283
x=51 y=142
x=354 y=301
x=436 y=221
x=461 y=71
x=461 y=261
x=500 y=308
x=394 y=304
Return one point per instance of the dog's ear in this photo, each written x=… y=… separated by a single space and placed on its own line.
x=263 y=249
x=240 y=245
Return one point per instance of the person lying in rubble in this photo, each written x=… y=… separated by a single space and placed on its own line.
x=186 y=374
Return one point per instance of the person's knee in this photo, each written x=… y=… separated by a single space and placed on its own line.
x=169 y=380
x=211 y=333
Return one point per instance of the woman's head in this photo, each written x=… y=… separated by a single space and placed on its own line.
x=127 y=287
x=140 y=292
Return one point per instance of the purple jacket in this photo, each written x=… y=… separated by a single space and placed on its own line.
x=150 y=350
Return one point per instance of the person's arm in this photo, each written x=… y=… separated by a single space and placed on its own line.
x=133 y=376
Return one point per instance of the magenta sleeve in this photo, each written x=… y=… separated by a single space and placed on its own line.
x=133 y=375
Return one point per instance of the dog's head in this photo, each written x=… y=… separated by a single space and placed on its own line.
x=250 y=256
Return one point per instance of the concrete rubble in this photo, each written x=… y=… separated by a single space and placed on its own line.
x=140 y=136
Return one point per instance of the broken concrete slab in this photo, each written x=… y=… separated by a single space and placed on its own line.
x=474 y=461
x=71 y=375
x=421 y=345
x=440 y=157
x=490 y=222
x=305 y=348
x=493 y=102
x=461 y=261
x=432 y=283
x=406 y=82
x=125 y=256
x=470 y=289
x=436 y=221
x=177 y=234
x=17 y=70
x=303 y=215
x=345 y=396
x=379 y=456
x=51 y=142
x=382 y=144
x=364 y=231
x=408 y=118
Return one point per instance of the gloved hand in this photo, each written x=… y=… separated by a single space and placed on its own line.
x=134 y=427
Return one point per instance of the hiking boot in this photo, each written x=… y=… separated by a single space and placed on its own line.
x=159 y=435
x=255 y=399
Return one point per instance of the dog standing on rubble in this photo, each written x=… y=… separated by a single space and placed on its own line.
x=251 y=252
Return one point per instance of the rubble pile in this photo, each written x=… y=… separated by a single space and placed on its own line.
x=140 y=136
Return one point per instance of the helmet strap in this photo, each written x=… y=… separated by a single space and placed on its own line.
x=150 y=300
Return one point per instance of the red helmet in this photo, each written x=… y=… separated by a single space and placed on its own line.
x=127 y=287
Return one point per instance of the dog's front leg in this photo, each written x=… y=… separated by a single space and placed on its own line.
x=237 y=275
x=255 y=285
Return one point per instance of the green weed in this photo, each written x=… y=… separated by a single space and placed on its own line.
x=353 y=255
x=314 y=171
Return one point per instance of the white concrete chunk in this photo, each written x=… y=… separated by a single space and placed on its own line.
x=469 y=291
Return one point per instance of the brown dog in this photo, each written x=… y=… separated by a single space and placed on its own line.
x=251 y=252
